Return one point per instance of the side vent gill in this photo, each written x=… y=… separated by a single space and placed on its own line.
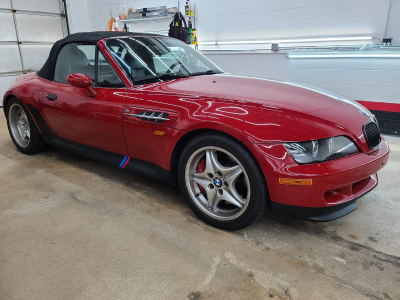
x=151 y=116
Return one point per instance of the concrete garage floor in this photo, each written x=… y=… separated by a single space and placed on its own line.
x=72 y=228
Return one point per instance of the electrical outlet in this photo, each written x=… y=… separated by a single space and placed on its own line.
x=387 y=41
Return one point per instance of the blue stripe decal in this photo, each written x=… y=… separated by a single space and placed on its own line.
x=123 y=162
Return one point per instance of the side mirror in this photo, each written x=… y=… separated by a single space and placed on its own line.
x=82 y=81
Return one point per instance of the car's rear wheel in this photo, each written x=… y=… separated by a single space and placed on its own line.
x=222 y=182
x=22 y=129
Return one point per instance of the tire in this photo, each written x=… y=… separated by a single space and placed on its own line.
x=217 y=167
x=22 y=128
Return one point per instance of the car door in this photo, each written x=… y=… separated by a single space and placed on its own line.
x=72 y=114
x=148 y=116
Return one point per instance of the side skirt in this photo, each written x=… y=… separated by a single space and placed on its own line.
x=141 y=167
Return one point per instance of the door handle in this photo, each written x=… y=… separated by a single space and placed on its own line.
x=51 y=97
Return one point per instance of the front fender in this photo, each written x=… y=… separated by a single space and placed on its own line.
x=256 y=123
x=213 y=125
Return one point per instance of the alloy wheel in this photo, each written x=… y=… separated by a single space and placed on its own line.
x=217 y=183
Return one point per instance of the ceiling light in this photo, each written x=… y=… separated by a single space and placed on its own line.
x=304 y=40
x=355 y=54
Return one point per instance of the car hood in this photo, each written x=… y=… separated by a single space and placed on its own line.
x=269 y=93
x=271 y=110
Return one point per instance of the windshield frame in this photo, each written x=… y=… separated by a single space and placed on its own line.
x=174 y=75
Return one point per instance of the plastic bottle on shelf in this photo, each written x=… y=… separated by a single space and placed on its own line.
x=190 y=30
x=130 y=12
x=115 y=26
x=194 y=37
x=122 y=13
x=187 y=9
x=144 y=13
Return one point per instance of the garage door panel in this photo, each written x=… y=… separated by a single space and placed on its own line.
x=51 y=6
x=28 y=29
x=10 y=60
x=34 y=56
x=5 y=4
x=45 y=29
x=7 y=28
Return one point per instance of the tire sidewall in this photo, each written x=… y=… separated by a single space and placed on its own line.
x=259 y=196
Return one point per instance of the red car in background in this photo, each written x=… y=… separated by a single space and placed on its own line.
x=236 y=146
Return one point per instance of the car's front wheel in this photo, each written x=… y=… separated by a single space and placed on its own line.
x=222 y=182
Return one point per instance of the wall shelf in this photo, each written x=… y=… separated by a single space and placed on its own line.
x=161 y=32
x=150 y=20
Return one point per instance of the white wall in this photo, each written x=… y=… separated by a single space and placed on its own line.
x=375 y=80
x=359 y=79
x=79 y=16
x=249 y=19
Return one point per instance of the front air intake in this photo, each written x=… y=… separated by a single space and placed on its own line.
x=372 y=134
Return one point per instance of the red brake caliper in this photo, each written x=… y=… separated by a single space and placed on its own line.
x=200 y=169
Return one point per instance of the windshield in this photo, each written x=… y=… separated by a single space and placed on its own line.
x=149 y=59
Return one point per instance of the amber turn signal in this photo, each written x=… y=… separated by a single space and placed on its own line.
x=157 y=132
x=289 y=181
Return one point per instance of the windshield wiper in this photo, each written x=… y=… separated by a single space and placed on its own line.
x=160 y=77
x=171 y=76
x=206 y=73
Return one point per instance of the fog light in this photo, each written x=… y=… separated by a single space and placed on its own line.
x=289 y=181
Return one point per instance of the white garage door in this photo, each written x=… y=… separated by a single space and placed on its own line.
x=28 y=29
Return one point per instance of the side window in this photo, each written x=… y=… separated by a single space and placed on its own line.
x=106 y=76
x=75 y=58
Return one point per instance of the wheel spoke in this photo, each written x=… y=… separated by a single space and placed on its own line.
x=211 y=197
x=225 y=171
x=231 y=180
x=28 y=134
x=208 y=187
x=209 y=169
x=232 y=199
x=201 y=175
x=202 y=181
x=209 y=162
x=214 y=205
x=23 y=115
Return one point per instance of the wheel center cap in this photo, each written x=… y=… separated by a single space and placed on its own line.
x=217 y=182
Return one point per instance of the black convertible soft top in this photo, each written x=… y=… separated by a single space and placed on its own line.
x=47 y=71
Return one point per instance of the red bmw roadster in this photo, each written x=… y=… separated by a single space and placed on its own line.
x=236 y=146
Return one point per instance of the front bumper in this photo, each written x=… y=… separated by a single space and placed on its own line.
x=335 y=185
x=322 y=214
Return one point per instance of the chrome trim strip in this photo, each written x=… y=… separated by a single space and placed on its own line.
x=147 y=117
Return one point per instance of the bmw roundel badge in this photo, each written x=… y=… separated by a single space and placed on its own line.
x=217 y=182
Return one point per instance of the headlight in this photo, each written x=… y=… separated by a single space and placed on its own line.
x=321 y=150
